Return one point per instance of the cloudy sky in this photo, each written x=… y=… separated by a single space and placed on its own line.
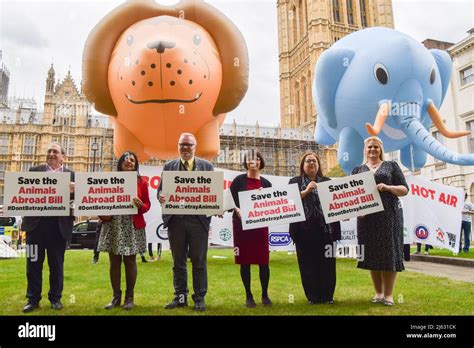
x=35 y=33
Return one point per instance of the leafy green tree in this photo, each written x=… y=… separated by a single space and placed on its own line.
x=336 y=172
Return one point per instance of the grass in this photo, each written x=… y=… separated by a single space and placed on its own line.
x=445 y=252
x=87 y=289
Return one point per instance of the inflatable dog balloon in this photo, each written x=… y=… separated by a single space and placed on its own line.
x=160 y=71
x=379 y=81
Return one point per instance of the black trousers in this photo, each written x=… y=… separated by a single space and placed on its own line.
x=96 y=243
x=187 y=231
x=318 y=272
x=46 y=237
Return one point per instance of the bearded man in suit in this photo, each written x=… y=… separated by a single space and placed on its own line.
x=187 y=231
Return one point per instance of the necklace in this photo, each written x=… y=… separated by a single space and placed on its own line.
x=374 y=166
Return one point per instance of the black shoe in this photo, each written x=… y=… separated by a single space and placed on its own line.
x=266 y=301
x=144 y=260
x=250 y=302
x=115 y=301
x=200 y=306
x=30 y=307
x=178 y=301
x=94 y=261
x=128 y=302
x=57 y=305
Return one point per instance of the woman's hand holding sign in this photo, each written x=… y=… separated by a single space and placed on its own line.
x=162 y=199
x=237 y=211
x=138 y=203
x=310 y=188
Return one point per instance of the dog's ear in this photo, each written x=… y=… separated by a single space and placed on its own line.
x=232 y=49
x=101 y=42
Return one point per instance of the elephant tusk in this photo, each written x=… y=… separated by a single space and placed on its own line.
x=380 y=119
x=438 y=121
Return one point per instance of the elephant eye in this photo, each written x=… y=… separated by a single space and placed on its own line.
x=197 y=39
x=130 y=40
x=432 y=75
x=381 y=73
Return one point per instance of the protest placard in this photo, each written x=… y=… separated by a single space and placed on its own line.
x=271 y=206
x=193 y=193
x=432 y=213
x=37 y=194
x=355 y=195
x=105 y=193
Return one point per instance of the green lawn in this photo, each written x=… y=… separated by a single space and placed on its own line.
x=445 y=252
x=87 y=289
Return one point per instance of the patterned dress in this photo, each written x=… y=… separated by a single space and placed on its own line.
x=381 y=234
x=120 y=237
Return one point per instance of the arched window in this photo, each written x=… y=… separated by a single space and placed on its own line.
x=303 y=101
x=350 y=12
x=297 y=109
x=301 y=19
x=335 y=11
x=363 y=13
x=294 y=24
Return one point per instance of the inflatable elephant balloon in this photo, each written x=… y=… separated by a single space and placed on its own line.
x=160 y=71
x=379 y=81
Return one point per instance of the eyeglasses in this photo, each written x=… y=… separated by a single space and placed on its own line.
x=311 y=161
x=182 y=145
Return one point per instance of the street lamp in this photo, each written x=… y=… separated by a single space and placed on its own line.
x=94 y=148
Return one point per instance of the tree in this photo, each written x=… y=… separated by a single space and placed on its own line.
x=336 y=172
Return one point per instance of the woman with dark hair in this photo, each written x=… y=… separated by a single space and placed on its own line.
x=123 y=237
x=313 y=237
x=251 y=246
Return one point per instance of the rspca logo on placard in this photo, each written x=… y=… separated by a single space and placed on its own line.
x=279 y=239
x=422 y=232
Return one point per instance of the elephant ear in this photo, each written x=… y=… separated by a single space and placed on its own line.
x=443 y=60
x=331 y=66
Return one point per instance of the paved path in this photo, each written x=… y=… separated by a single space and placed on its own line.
x=465 y=274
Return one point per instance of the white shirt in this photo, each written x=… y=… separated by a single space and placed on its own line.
x=468 y=206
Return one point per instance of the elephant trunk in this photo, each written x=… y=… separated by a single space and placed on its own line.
x=423 y=139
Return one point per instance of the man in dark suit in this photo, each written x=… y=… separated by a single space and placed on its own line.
x=47 y=233
x=187 y=230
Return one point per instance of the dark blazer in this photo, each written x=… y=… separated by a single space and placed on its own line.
x=239 y=184
x=30 y=223
x=175 y=165
x=296 y=228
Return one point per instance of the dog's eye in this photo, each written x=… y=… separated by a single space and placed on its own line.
x=197 y=39
x=130 y=40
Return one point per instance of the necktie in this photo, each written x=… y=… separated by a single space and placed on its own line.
x=186 y=165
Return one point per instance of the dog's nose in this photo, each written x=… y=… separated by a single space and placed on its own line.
x=160 y=46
